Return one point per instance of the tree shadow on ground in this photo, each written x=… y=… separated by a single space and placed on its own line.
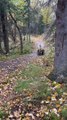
x=52 y=76
x=60 y=78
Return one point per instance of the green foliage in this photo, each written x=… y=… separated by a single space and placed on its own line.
x=46 y=15
x=32 y=71
x=46 y=118
x=17 y=8
x=12 y=55
x=2 y=114
x=65 y=88
x=64 y=113
x=41 y=25
x=43 y=90
x=53 y=116
x=59 y=91
x=32 y=75
x=21 y=85
x=28 y=47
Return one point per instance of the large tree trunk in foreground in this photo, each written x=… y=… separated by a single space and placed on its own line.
x=61 y=37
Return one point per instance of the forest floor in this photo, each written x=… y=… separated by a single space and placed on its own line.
x=26 y=92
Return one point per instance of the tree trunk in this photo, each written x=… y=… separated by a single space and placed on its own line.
x=20 y=35
x=28 y=20
x=61 y=37
x=13 y=33
x=4 y=30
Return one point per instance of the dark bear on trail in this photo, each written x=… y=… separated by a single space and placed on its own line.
x=40 y=51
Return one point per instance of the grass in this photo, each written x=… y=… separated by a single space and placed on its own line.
x=12 y=55
x=59 y=91
x=43 y=90
x=27 y=49
x=2 y=114
x=64 y=113
x=29 y=76
x=22 y=85
x=53 y=116
x=32 y=79
x=32 y=71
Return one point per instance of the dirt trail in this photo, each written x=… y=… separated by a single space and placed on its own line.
x=14 y=64
x=10 y=66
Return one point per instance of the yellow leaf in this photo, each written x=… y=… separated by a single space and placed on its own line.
x=59 y=110
x=53 y=98
x=57 y=105
x=48 y=98
x=55 y=94
x=57 y=86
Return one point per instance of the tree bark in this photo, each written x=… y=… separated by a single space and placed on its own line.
x=61 y=37
x=28 y=29
x=13 y=33
x=4 y=29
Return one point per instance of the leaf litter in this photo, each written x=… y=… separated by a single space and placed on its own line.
x=27 y=93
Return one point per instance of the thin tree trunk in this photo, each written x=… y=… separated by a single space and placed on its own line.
x=13 y=33
x=21 y=43
x=0 y=47
x=29 y=20
x=61 y=37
